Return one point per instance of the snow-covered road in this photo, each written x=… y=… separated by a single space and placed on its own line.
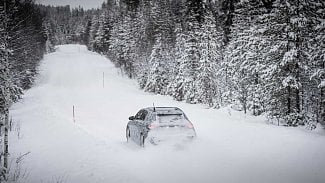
x=230 y=147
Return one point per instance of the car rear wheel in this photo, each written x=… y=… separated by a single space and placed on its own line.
x=127 y=134
x=142 y=140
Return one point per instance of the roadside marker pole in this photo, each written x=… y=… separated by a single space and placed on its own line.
x=103 y=79
x=73 y=114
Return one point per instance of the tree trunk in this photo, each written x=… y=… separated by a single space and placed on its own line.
x=289 y=100
x=322 y=106
x=6 y=141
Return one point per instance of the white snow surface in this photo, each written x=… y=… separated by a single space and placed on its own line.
x=230 y=146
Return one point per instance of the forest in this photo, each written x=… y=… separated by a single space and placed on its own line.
x=261 y=57
x=22 y=46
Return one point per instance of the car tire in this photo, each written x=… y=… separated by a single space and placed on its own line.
x=128 y=135
x=142 y=140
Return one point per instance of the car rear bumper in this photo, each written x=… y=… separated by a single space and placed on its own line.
x=158 y=136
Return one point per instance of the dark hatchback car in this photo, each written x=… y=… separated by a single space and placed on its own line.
x=156 y=124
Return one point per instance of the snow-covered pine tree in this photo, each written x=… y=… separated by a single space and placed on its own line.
x=162 y=27
x=103 y=33
x=311 y=38
x=123 y=44
x=143 y=45
x=50 y=42
x=191 y=58
x=243 y=59
x=144 y=40
x=318 y=56
x=93 y=32
x=286 y=59
x=77 y=24
x=162 y=20
x=210 y=57
x=63 y=29
x=176 y=87
x=158 y=74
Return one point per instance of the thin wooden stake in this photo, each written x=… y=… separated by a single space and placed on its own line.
x=73 y=114
x=103 y=79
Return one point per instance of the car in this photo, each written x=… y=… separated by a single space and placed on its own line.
x=154 y=125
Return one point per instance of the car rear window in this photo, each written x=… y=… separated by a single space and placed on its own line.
x=170 y=118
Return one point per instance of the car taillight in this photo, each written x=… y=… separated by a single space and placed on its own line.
x=190 y=125
x=152 y=126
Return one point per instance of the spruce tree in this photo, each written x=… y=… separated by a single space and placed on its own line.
x=158 y=75
x=210 y=57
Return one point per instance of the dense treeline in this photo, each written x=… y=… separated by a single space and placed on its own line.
x=266 y=57
x=22 y=43
x=64 y=25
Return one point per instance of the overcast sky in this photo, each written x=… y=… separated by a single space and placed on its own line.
x=87 y=4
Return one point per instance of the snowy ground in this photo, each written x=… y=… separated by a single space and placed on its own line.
x=230 y=147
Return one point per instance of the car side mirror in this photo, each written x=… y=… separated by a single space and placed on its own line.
x=131 y=118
